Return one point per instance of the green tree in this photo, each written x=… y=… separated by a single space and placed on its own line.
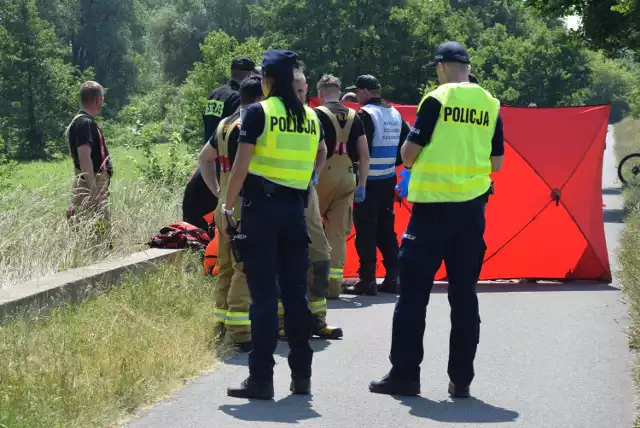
x=344 y=37
x=218 y=50
x=106 y=36
x=612 y=82
x=176 y=32
x=38 y=90
x=545 y=68
x=612 y=25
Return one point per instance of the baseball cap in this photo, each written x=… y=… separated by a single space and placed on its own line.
x=279 y=59
x=450 y=52
x=365 y=81
x=243 y=63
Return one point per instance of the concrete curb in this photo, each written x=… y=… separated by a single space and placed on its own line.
x=72 y=286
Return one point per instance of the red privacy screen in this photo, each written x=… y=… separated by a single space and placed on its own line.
x=545 y=220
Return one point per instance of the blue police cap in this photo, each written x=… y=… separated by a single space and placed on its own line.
x=279 y=59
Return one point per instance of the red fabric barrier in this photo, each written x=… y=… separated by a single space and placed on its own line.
x=529 y=233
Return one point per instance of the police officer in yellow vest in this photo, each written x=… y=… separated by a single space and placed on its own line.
x=280 y=146
x=455 y=144
x=231 y=293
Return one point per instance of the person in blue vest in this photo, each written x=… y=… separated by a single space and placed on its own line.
x=456 y=143
x=374 y=218
x=280 y=146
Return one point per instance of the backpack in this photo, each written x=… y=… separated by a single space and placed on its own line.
x=181 y=235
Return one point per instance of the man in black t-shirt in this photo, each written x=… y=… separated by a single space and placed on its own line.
x=225 y=100
x=91 y=160
x=346 y=144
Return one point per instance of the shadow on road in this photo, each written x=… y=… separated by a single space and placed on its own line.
x=611 y=191
x=544 y=287
x=359 y=302
x=282 y=349
x=457 y=411
x=613 y=216
x=291 y=409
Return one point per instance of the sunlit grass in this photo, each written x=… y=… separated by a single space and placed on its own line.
x=93 y=364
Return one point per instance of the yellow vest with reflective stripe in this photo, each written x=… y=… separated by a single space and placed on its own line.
x=455 y=165
x=286 y=153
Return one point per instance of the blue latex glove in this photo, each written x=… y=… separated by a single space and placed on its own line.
x=403 y=186
x=314 y=178
x=360 y=194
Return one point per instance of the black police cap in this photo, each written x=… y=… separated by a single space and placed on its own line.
x=366 y=81
x=450 y=52
x=243 y=63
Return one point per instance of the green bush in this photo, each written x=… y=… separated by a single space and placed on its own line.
x=169 y=171
x=218 y=50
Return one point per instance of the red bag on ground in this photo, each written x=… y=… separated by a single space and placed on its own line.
x=181 y=235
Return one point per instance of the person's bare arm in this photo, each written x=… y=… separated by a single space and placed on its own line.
x=497 y=146
x=364 y=160
x=239 y=172
x=207 y=163
x=321 y=157
x=410 y=152
x=496 y=163
x=86 y=166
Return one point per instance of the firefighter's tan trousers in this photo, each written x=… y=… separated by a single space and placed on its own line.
x=335 y=193
x=88 y=209
x=231 y=293
x=318 y=272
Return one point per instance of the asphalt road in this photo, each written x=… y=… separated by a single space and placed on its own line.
x=549 y=357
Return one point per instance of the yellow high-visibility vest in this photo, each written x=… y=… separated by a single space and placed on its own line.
x=285 y=153
x=455 y=165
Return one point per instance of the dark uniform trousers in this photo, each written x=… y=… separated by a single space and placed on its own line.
x=275 y=253
x=452 y=232
x=374 y=221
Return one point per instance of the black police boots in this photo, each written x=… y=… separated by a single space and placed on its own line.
x=364 y=286
x=459 y=391
x=389 y=285
x=250 y=388
x=300 y=386
x=390 y=386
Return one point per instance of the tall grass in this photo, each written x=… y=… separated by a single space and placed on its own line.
x=36 y=238
x=627 y=135
x=90 y=365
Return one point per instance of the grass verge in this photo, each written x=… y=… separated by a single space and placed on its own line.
x=627 y=136
x=93 y=364
x=37 y=240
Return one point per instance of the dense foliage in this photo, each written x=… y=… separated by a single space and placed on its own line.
x=159 y=59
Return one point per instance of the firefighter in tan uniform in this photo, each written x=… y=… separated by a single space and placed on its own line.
x=319 y=251
x=232 y=297
x=337 y=188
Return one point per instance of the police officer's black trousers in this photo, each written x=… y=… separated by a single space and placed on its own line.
x=452 y=232
x=374 y=221
x=276 y=248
